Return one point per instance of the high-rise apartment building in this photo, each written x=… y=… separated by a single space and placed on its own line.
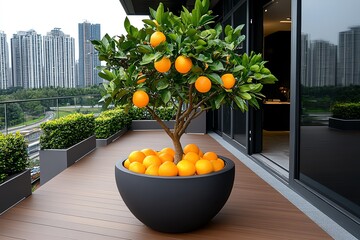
x=88 y=57
x=321 y=64
x=27 y=59
x=4 y=62
x=349 y=57
x=59 y=60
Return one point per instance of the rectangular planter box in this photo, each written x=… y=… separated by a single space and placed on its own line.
x=103 y=142
x=150 y=124
x=197 y=125
x=15 y=189
x=344 y=124
x=54 y=161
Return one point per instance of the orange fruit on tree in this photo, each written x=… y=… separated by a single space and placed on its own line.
x=140 y=99
x=203 y=84
x=218 y=164
x=192 y=157
x=164 y=156
x=151 y=160
x=156 y=38
x=137 y=167
x=228 y=80
x=168 y=150
x=168 y=169
x=127 y=163
x=204 y=166
x=152 y=170
x=148 y=151
x=183 y=64
x=136 y=156
x=186 y=168
x=163 y=65
x=210 y=156
x=191 y=147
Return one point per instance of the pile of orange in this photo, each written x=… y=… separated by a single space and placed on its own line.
x=161 y=163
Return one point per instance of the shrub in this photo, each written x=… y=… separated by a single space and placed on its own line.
x=111 y=121
x=165 y=113
x=13 y=154
x=66 y=131
x=346 y=110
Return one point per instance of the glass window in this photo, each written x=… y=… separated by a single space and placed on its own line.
x=239 y=118
x=330 y=91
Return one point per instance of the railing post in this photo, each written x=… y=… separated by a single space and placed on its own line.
x=5 y=118
x=57 y=108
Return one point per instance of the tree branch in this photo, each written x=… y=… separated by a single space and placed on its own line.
x=162 y=124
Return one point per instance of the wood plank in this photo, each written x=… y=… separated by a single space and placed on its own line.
x=83 y=202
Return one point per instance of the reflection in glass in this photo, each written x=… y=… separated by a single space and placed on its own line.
x=226 y=124
x=330 y=76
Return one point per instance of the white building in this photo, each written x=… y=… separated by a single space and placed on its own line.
x=59 y=60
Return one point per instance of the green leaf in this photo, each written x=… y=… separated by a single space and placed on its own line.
x=127 y=25
x=219 y=100
x=206 y=20
x=245 y=59
x=244 y=88
x=238 y=29
x=165 y=96
x=152 y=13
x=150 y=22
x=245 y=95
x=162 y=84
x=145 y=49
x=107 y=75
x=160 y=13
x=238 y=68
x=148 y=58
x=192 y=79
x=253 y=102
x=214 y=77
x=200 y=42
x=216 y=66
x=240 y=103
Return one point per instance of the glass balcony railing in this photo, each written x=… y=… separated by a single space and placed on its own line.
x=25 y=116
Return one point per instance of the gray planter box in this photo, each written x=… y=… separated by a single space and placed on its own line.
x=15 y=189
x=150 y=124
x=197 y=125
x=104 y=142
x=54 y=161
x=344 y=124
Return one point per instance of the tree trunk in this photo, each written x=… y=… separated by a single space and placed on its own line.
x=178 y=149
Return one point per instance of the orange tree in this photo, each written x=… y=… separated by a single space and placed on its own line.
x=184 y=61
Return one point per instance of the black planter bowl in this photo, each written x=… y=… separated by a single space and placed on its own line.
x=175 y=204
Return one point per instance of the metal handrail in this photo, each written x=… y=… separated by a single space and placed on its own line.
x=5 y=103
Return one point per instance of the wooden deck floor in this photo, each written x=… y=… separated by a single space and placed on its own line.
x=83 y=203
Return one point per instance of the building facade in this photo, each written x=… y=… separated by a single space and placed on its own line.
x=59 y=60
x=27 y=60
x=88 y=57
x=4 y=62
x=321 y=160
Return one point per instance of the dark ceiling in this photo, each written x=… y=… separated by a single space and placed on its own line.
x=141 y=7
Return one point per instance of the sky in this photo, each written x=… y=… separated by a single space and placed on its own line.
x=45 y=15
x=330 y=20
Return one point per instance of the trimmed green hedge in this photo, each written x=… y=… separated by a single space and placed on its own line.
x=346 y=110
x=13 y=154
x=111 y=121
x=142 y=114
x=66 y=131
